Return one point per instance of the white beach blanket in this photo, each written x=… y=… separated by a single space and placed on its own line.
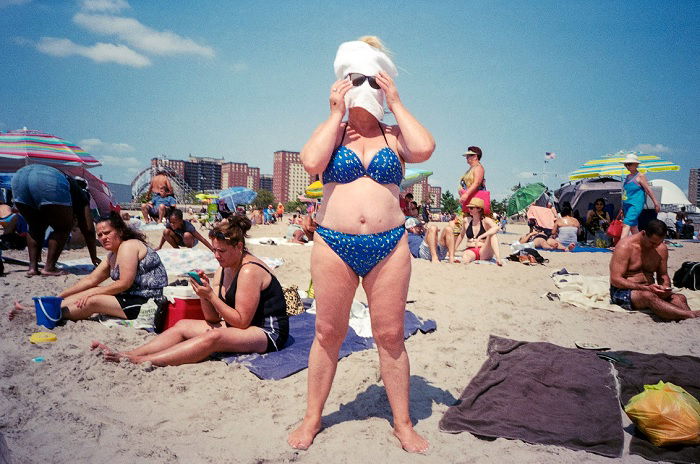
x=273 y=241
x=585 y=291
x=594 y=292
x=359 y=318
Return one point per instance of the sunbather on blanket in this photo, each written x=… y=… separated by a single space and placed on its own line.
x=244 y=310
x=632 y=285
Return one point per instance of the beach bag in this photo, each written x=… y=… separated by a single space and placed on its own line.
x=601 y=239
x=615 y=227
x=666 y=414
x=161 y=313
x=293 y=300
x=688 y=276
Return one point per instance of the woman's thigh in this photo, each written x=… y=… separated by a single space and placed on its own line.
x=335 y=284
x=233 y=340
x=100 y=304
x=386 y=287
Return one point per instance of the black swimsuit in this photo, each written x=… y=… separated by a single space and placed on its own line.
x=470 y=232
x=271 y=313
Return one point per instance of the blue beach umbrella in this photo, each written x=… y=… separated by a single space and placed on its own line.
x=234 y=196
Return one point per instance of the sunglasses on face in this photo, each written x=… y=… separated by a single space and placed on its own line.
x=358 y=79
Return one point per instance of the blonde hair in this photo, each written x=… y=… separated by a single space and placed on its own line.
x=374 y=41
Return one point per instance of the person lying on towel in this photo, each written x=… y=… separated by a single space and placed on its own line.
x=244 y=308
x=639 y=276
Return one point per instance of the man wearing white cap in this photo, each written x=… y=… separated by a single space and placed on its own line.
x=633 y=199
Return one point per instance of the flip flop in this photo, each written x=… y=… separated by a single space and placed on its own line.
x=591 y=346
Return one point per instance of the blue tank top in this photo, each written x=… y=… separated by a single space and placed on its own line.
x=345 y=166
x=633 y=193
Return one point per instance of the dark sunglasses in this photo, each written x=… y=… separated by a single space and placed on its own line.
x=358 y=79
x=217 y=235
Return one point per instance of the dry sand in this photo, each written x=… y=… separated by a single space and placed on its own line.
x=73 y=407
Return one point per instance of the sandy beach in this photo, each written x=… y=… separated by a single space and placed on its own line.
x=73 y=407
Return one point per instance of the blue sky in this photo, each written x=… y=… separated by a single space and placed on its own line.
x=132 y=80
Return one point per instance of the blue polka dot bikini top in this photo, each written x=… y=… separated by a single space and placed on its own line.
x=345 y=166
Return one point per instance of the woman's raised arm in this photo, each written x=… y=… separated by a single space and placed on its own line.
x=318 y=149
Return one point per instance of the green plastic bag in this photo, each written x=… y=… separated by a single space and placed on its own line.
x=667 y=414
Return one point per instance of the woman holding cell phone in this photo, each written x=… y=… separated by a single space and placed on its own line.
x=244 y=308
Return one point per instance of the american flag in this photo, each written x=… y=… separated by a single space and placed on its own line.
x=549 y=156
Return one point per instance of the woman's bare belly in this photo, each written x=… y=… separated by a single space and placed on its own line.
x=360 y=207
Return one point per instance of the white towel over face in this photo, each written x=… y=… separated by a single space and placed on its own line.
x=360 y=57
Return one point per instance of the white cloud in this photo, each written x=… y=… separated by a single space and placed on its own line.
x=6 y=3
x=97 y=146
x=140 y=36
x=125 y=162
x=100 y=52
x=110 y=6
x=649 y=148
x=239 y=67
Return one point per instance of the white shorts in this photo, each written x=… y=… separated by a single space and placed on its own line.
x=424 y=251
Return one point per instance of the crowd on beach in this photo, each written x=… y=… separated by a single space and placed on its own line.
x=365 y=231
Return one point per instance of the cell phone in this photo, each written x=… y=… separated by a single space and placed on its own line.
x=196 y=277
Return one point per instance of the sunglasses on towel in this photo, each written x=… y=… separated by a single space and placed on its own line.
x=358 y=79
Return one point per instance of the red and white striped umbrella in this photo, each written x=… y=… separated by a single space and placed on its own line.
x=24 y=146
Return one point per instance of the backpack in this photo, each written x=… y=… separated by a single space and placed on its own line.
x=688 y=276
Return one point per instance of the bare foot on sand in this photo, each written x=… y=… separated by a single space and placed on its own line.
x=108 y=353
x=570 y=247
x=411 y=441
x=53 y=273
x=499 y=262
x=32 y=272
x=303 y=436
x=16 y=308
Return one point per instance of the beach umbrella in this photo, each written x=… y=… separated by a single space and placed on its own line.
x=205 y=197
x=612 y=165
x=413 y=176
x=524 y=197
x=22 y=147
x=315 y=190
x=234 y=196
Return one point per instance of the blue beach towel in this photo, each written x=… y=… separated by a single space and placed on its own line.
x=583 y=249
x=294 y=357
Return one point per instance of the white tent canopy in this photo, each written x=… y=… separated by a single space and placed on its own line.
x=671 y=194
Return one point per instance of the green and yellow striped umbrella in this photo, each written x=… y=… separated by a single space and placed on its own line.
x=611 y=165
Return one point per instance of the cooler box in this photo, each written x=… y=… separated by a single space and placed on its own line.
x=183 y=309
x=183 y=304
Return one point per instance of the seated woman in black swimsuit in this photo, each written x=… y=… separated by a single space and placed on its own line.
x=245 y=310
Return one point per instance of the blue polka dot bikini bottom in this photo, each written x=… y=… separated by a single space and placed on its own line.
x=362 y=251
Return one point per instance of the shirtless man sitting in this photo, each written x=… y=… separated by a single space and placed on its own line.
x=632 y=285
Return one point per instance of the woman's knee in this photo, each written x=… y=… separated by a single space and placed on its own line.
x=329 y=335
x=390 y=338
